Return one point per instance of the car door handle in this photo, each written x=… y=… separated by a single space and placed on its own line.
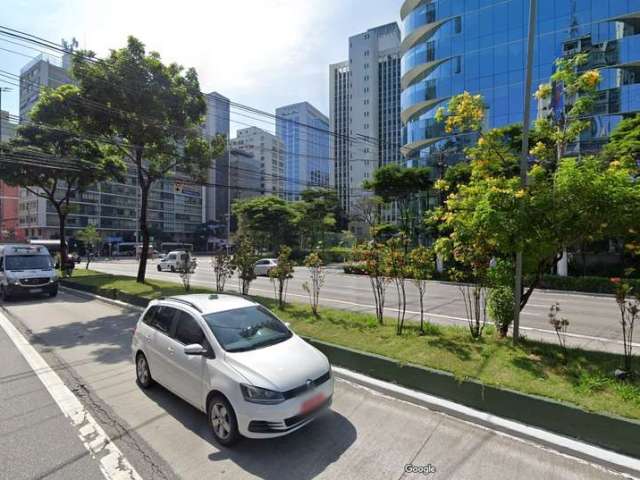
x=148 y=338
x=171 y=350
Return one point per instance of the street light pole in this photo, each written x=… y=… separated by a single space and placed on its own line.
x=533 y=6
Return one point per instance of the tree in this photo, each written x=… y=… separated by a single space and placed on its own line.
x=244 y=261
x=185 y=269
x=366 y=210
x=629 y=306
x=150 y=112
x=223 y=268
x=372 y=257
x=572 y=94
x=269 y=221
x=393 y=183
x=51 y=159
x=421 y=268
x=317 y=214
x=316 y=274
x=90 y=237
x=395 y=258
x=281 y=274
x=624 y=143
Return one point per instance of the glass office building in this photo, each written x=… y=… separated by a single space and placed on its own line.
x=450 y=46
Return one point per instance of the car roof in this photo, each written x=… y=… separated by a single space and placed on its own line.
x=207 y=303
x=270 y=259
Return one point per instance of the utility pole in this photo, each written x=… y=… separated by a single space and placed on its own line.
x=524 y=164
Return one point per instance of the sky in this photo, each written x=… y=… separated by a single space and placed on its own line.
x=262 y=53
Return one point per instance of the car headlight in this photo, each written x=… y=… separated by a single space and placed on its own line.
x=260 y=395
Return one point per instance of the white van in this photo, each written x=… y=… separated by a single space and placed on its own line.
x=174 y=261
x=26 y=270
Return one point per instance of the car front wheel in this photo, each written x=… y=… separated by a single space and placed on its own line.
x=222 y=421
x=159 y=268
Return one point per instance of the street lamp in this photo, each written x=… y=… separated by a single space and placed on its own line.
x=533 y=6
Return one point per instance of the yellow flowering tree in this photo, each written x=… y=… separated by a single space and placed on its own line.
x=570 y=96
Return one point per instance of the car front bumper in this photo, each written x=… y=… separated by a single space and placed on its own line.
x=268 y=421
x=18 y=290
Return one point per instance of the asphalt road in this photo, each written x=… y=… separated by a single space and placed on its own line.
x=594 y=320
x=365 y=436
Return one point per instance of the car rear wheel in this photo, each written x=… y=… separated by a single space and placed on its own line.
x=222 y=420
x=143 y=374
x=173 y=269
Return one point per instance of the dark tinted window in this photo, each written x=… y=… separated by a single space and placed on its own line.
x=187 y=330
x=247 y=328
x=148 y=317
x=163 y=318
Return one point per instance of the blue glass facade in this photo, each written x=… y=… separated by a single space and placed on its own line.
x=450 y=46
x=303 y=131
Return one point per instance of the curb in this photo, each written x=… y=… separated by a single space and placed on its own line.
x=558 y=443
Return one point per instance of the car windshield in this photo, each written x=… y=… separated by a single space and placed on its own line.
x=247 y=328
x=28 y=262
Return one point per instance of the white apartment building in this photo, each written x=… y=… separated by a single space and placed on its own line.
x=267 y=150
x=365 y=111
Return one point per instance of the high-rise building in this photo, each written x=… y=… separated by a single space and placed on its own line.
x=365 y=111
x=449 y=47
x=267 y=149
x=216 y=200
x=304 y=132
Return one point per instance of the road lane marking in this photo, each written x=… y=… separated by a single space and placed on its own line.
x=112 y=463
x=437 y=315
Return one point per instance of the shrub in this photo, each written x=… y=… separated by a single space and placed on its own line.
x=500 y=308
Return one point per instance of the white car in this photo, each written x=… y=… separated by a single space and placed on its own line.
x=264 y=266
x=236 y=361
x=174 y=261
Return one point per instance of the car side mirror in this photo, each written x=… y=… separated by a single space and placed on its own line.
x=287 y=324
x=196 y=350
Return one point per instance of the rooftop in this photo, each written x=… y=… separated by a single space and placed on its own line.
x=212 y=303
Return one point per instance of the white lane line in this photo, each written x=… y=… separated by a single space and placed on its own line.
x=515 y=429
x=437 y=315
x=111 y=461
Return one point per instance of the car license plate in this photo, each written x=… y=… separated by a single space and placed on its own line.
x=36 y=290
x=312 y=403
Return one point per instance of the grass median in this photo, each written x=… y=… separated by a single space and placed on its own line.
x=531 y=367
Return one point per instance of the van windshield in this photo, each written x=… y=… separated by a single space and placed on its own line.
x=28 y=262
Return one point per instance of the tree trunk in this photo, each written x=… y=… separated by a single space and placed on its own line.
x=62 y=218
x=144 y=228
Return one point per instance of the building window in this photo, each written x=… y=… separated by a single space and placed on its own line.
x=457 y=25
x=431 y=51
x=457 y=64
x=431 y=13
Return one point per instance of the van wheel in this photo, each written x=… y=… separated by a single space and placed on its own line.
x=222 y=420
x=143 y=374
x=5 y=296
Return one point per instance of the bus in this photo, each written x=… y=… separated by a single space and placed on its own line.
x=167 y=247
x=125 y=249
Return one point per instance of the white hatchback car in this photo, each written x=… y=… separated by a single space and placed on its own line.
x=233 y=359
x=264 y=266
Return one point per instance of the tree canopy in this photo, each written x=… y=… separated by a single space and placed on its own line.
x=52 y=159
x=269 y=221
x=149 y=111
